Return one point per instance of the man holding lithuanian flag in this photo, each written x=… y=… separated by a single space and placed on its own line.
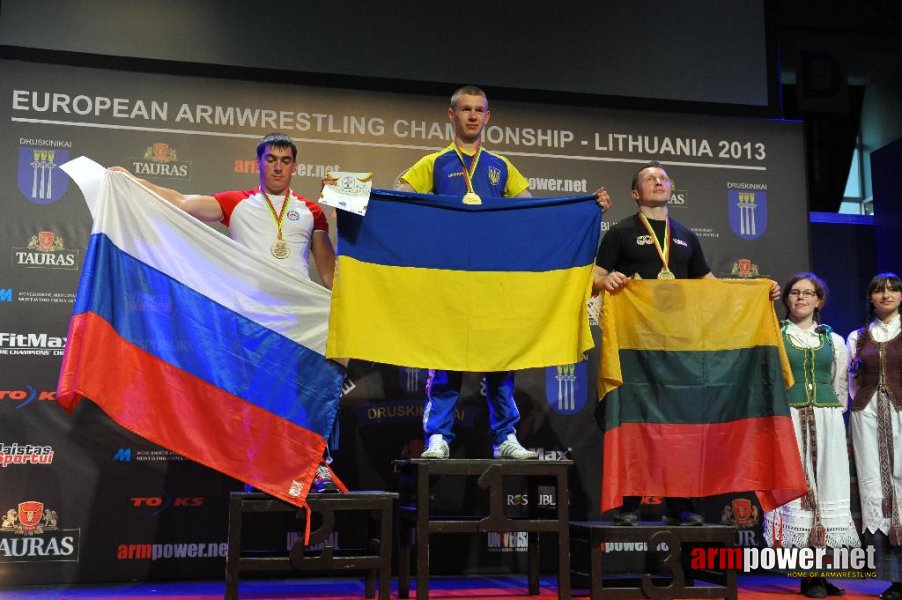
x=693 y=373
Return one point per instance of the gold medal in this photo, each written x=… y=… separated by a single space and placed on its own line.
x=472 y=198
x=666 y=273
x=280 y=249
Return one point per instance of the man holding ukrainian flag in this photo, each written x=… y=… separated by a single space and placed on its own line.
x=466 y=169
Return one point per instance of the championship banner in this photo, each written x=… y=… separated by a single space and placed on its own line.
x=194 y=342
x=694 y=375
x=425 y=281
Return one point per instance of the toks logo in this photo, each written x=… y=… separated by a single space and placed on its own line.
x=161 y=160
x=27 y=396
x=161 y=503
x=45 y=250
x=29 y=533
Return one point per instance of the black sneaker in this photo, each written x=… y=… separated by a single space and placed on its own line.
x=833 y=590
x=686 y=518
x=893 y=592
x=322 y=481
x=626 y=518
x=815 y=588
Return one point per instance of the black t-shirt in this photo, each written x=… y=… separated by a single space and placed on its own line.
x=627 y=247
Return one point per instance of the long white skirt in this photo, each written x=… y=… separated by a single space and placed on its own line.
x=863 y=424
x=789 y=525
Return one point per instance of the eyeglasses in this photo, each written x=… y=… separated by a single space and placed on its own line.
x=655 y=179
x=803 y=293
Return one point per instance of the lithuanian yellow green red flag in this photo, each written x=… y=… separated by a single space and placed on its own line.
x=426 y=281
x=693 y=376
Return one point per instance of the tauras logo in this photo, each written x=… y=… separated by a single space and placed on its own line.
x=58 y=547
x=678 y=198
x=46 y=250
x=161 y=160
x=29 y=519
x=30 y=533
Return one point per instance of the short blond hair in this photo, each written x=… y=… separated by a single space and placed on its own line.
x=467 y=90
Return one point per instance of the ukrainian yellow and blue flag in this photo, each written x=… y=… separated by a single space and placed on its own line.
x=425 y=281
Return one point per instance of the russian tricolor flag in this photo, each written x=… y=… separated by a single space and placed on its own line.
x=190 y=340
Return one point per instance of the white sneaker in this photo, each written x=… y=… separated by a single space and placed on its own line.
x=511 y=448
x=438 y=447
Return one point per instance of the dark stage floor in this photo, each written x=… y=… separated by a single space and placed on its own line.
x=752 y=587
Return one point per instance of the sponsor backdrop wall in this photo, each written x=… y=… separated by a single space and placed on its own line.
x=83 y=500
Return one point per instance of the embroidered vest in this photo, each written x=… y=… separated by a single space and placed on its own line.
x=879 y=364
x=812 y=371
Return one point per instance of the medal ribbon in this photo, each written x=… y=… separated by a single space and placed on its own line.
x=468 y=173
x=663 y=252
x=272 y=210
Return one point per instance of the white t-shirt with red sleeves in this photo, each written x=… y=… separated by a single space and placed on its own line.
x=251 y=224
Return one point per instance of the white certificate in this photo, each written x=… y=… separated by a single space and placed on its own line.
x=351 y=192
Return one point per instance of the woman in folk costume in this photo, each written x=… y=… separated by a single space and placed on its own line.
x=819 y=361
x=875 y=381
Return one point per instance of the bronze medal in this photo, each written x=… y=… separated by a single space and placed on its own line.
x=662 y=249
x=279 y=248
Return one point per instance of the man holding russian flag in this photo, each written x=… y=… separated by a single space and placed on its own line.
x=466 y=169
x=272 y=220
